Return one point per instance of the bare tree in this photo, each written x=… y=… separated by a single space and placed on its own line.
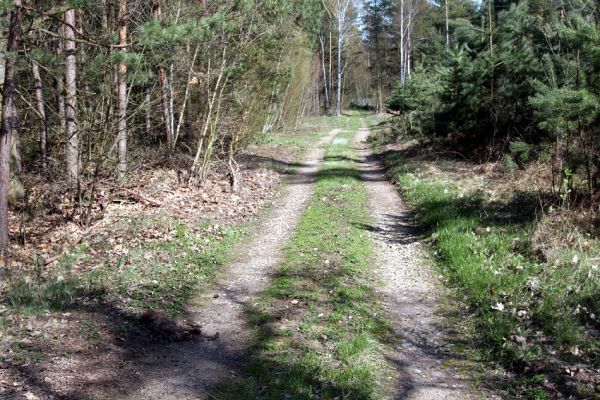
x=122 y=89
x=409 y=10
x=402 y=42
x=447 y=24
x=9 y=123
x=60 y=84
x=41 y=109
x=322 y=40
x=340 y=12
x=71 y=99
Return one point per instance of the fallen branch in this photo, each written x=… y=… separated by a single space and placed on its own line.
x=140 y=198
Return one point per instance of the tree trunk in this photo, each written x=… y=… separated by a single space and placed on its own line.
x=447 y=25
x=379 y=79
x=330 y=65
x=148 y=112
x=186 y=96
x=122 y=89
x=402 y=35
x=39 y=96
x=321 y=40
x=71 y=101
x=9 y=124
x=164 y=89
x=338 y=107
x=60 y=87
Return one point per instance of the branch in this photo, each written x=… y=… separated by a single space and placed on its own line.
x=85 y=39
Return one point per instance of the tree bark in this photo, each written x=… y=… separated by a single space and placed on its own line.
x=164 y=89
x=321 y=40
x=71 y=101
x=39 y=95
x=60 y=87
x=338 y=105
x=447 y=25
x=148 y=112
x=330 y=64
x=122 y=90
x=402 y=37
x=9 y=124
x=186 y=96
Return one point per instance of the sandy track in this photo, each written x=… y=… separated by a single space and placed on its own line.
x=191 y=370
x=409 y=292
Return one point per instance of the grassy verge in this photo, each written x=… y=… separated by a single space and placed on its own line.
x=138 y=263
x=531 y=315
x=160 y=273
x=320 y=334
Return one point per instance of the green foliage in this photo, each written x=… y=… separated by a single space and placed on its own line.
x=533 y=74
x=520 y=150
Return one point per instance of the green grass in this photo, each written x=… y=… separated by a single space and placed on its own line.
x=164 y=273
x=318 y=326
x=523 y=309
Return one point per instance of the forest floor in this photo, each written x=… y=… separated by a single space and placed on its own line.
x=314 y=282
x=77 y=299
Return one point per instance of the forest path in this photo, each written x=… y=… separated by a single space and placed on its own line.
x=409 y=292
x=192 y=369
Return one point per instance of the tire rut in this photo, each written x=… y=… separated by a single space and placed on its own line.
x=409 y=293
x=194 y=369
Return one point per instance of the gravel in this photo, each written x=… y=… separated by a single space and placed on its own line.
x=410 y=294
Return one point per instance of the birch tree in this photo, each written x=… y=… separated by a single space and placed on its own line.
x=341 y=14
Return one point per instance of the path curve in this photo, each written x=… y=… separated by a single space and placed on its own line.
x=408 y=291
x=193 y=369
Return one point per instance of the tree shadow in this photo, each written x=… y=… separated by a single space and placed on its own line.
x=279 y=165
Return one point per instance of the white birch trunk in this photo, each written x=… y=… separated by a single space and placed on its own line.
x=447 y=25
x=402 y=34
